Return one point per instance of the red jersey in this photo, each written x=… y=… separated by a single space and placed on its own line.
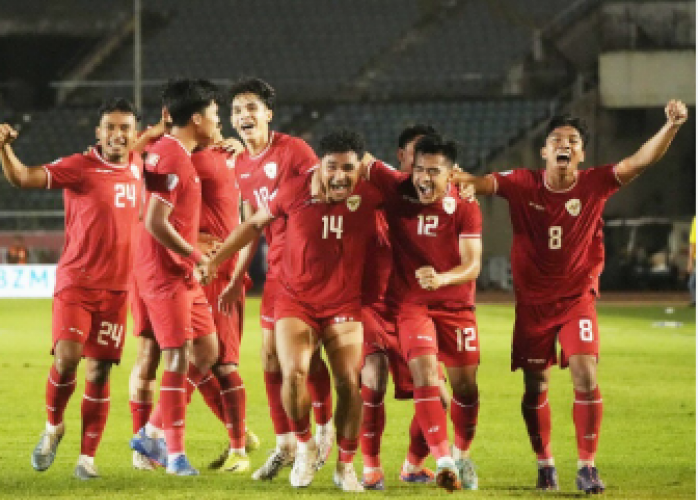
x=378 y=263
x=159 y=270
x=259 y=177
x=101 y=201
x=557 y=247
x=325 y=243
x=425 y=235
x=220 y=214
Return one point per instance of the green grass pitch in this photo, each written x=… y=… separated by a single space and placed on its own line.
x=647 y=446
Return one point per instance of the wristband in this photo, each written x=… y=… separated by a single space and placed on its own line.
x=195 y=256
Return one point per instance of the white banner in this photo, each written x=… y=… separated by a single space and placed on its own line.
x=30 y=281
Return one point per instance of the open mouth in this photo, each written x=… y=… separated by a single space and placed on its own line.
x=247 y=127
x=425 y=191
x=563 y=158
x=339 y=188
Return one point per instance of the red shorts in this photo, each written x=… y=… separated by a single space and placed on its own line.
x=318 y=318
x=572 y=320
x=174 y=318
x=94 y=318
x=228 y=328
x=380 y=336
x=267 y=304
x=451 y=334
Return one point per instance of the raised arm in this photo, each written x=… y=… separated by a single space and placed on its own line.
x=152 y=133
x=655 y=148
x=468 y=270
x=482 y=185
x=16 y=172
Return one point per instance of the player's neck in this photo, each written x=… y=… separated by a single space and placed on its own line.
x=560 y=181
x=185 y=136
x=256 y=145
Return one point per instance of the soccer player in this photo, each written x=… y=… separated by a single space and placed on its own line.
x=381 y=351
x=436 y=240
x=101 y=192
x=171 y=302
x=326 y=213
x=557 y=257
x=270 y=161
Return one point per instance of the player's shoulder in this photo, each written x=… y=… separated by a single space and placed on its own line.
x=167 y=153
x=592 y=172
x=291 y=145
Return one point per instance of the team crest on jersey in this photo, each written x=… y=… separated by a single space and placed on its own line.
x=152 y=159
x=573 y=206
x=354 y=202
x=231 y=162
x=171 y=181
x=449 y=204
x=135 y=171
x=270 y=169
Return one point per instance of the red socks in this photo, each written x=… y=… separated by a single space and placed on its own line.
x=432 y=418
x=301 y=428
x=319 y=386
x=59 y=389
x=538 y=420
x=94 y=409
x=588 y=414
x=418 y=449
x=233 y=397
x=273 y=388
x=465 y=413
x=140 y=413
x=346 y=449
x=173 y=405
x=373 y=422
x=211 y=392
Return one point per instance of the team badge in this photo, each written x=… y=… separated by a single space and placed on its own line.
x=135 y=171
x=449 y=204
x=231 y=162
x=171 y=181
x=152 y=159
x=573 y=206
x=270 y=169
x=354 y=202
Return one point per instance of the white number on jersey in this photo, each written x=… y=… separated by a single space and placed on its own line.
x=112 y=331
x=464 y=337
x=262 y=196
x=427 y=225
x=586 y=330
x=332 y=224
x=124 y=192
x=554 y=237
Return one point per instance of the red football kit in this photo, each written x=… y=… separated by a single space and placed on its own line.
x=325 y=244
x=378 y=319
x=442 y=321
x=101 y=207
x=556 y=259
x=220 y=215
x=170 y=302
x=259 y=178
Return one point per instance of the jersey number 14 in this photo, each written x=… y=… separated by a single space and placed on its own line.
x=332 y=224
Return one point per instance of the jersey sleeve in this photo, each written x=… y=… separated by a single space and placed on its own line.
x=383 y=177
x=469 y=223
x=65 y=173
x=606 y=181
x=303 y=157
x=170 y=174
x=508 y=182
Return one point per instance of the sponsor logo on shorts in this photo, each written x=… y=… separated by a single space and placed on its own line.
x=343 y=319
x=434 y=429
x=536 y=361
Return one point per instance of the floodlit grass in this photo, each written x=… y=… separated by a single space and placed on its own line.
x=647 y=445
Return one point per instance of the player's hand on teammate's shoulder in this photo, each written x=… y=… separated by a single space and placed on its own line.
x=676 y=112
x=7 y=134
x=428 y=278
x=229 y=296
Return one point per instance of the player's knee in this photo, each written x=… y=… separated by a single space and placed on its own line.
x=66 y=363
x=97 y=372
x=296 y=376
x=375 y=372
x=347 y=385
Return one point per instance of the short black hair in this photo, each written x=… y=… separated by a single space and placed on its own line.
x=185 y=97
x=571 y=121
x=342 y=141
x=413 y=131
x=118 y=104
x=435 y=144
x=257 y=86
